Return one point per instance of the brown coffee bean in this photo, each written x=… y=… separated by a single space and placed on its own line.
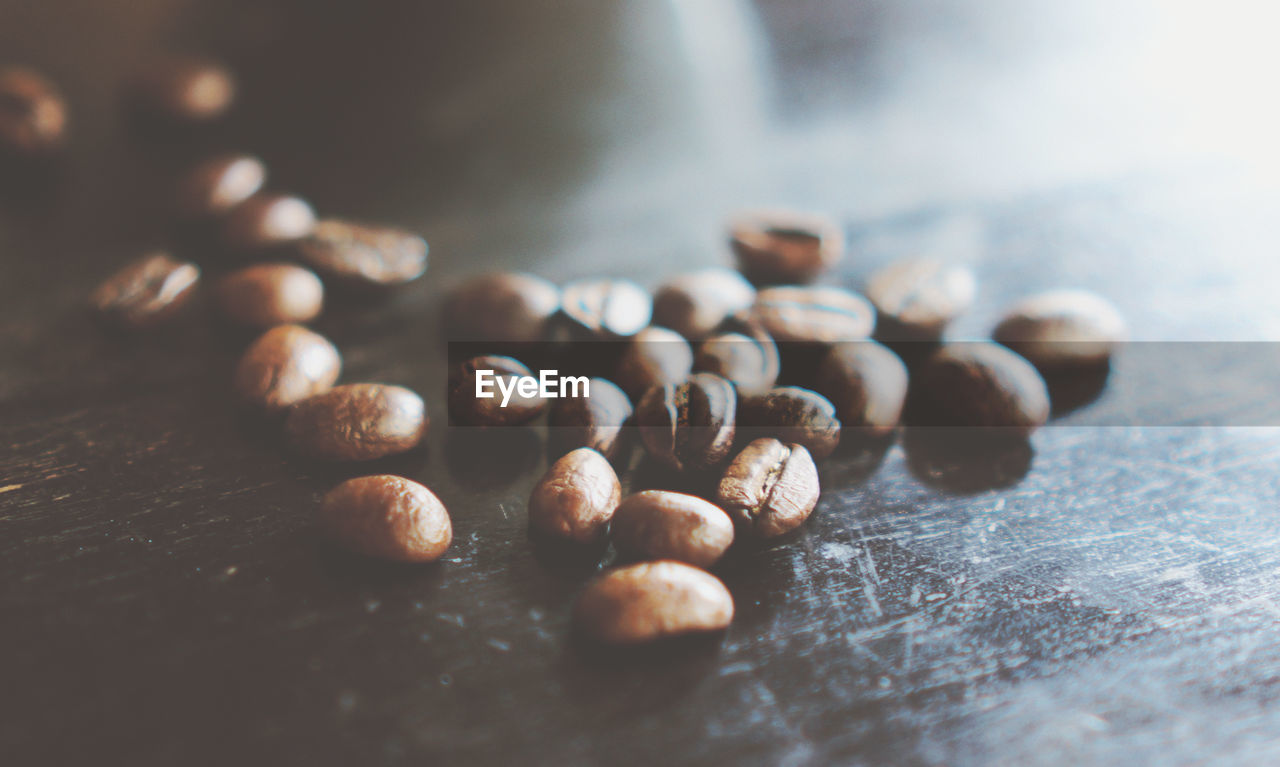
x=468 y=409
x=981 y=384
x=185 y=89
x=507 y=307
x=596 y=421
x=216 y=185
x=268 y=220
x=33 y=114
x=270 y=294
x=605 y=308
x=1063 y=329
x=917 y=298
x=286 y=364
x=826 y=315
x=650 y=601
x=576 y=498
x=147 y=292
x=659 y=524
x=793 y=415
x=387 y=517
x=364 y=255
x=867 y=383
x=653 y=357
x=783 y=246
x=694 y=304
x=357 y=422
x=689 y=425
x=748 y=359
x=770 y=488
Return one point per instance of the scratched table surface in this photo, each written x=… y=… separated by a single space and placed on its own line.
x=1106 y=596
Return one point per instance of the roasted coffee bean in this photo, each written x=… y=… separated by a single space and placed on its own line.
x=185 y=89
x=147 y=291
x=650 y=601
x=770 y=488
x=689 y=425
x=268 y=220
x=659 y=524
x=748 y=359
x=917 y=298
x=468 y=409
x=387 y=517
x=507 y=307
x=783 y=246
x=596 y=421
x=269 y=294
x=605 y=308
x=357 y=422
x=694 y=304
x=576 y=498
x=286 y=364
x=793 y=415
x=216 y=185
x=364 y=255
x=981 y=384
x=33 y=114
x=791 y=314
x=653 y=357
x=867 y=383
x=1063 y=329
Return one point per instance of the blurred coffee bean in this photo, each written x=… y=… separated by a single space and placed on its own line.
x=1063 y=329
x=653 y=357
x=268 y=220
x=659 y=524
x=388 y=517
x=980 y=384
x=216 y=185
x=791 y=314
x=575 y=499
x=867 y=383
x=596 y=422
x=507 y=307
x=604 y=309
x=783 y=246
x=748 y=359
x=689 y=425
x=269 y=294
x=185 y=89
x=33 y=114
x=695 y=303
x=770 y=488
x=357 y=422
x=286 y=364
x=792 y=415
x=363 y=255
x=917 y=298
x=147 y=291
x=651 y=601
x=468 y=409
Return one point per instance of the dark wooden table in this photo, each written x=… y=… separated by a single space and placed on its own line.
x=165 y=600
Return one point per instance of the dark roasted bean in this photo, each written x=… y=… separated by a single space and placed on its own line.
x=270 y=294
x=468 y=409
x=147 y=291
x=606 y=308
x=285 y=365
x=33 y=114
x=596 y=421
x=813 y=314
x=770 y=488
x=982 y=384
x=867 y=383
x=268 y=220
x=793 y=414
x=357 y=422
x=917 y=298
x=387 y=517
x=1063 y=329
x=185 y=88
x=502 y=306
x=695 y=303
x=650 y=601
x=653 y=357
x=783 y=246
x=576 y=498
x=216 y=185
x=689 y=425
x=659 y=524
x=364 y=254
x=749 y=359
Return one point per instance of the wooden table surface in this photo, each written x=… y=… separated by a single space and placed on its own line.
x=1106 y=596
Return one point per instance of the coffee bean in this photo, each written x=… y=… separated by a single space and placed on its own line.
x=650 y=601
x=791 y=314
x=785 y=247
x=1062 y=329
x=748 y=359
x=216 y=185
x=185 y=89
x=695 y=303
x=147 y=291
x=33 y=114
x=605 y=308
x=357 y=422
x=981 y=384
x=793 y=415
x=659 y=524
x=507 y=307
x=867 y=383
x=467 y=409
x=917 y=298
x=596 y=421
x=576 y=498
x=268 y=220
x=653 y=357
x=387 y=517
x=689 y=425
x=269 y=294
x=770 y=488
x=364 y=255
x=285 y=365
